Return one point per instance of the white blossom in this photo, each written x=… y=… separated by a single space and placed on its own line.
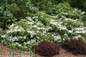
x=19 y=45
x=12 y=25
x=3 y=36
x=78 y=36
x=29 y=18
x=57 y=37
x=30 y=23
x=70 y=31
x=82 y=13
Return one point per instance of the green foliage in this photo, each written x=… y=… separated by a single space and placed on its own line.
x=66 y=10
x=14 y=10
x=62 y=7
x=78 y=3
x=45 y=4
x=5 y=17
x=19 y=8
x=42 y=4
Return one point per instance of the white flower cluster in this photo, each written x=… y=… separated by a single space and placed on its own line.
x=80 y=30
x=82 y=13
x=77 y=30
x=58 y=24
x=57 y=37
x=77 y=37
x=3 y=36
x=15 y=28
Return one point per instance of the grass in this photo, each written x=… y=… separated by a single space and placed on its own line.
x=1 y=47
x=17 y=53
x=20 y=55
x=1 y=50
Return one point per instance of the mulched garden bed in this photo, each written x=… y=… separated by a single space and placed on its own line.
x=63 y=53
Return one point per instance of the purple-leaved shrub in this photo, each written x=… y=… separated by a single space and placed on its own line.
x=46 y=48
x=76 y=46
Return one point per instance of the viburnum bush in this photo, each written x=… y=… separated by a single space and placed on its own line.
x=46 y=48
x=76 y=46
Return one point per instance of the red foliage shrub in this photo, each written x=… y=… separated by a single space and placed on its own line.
x=75 y=46
x=46 y=48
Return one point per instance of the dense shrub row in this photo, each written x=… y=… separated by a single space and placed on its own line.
x=45 y=48
x=41 y=26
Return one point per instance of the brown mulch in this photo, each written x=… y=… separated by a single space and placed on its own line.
x=63 y=53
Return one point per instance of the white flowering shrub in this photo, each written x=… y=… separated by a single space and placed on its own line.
x=25 y=33
x=64 y=26
x=55 y=28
